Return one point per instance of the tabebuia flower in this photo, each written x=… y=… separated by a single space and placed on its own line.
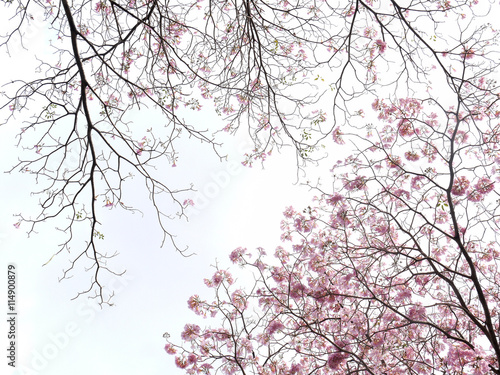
x=417 y=182
x=274 y=326
x=358 y=183
x=191 y=332
x=192 y=358
x=181 y=362
x=239 y=300
x=194 y=303
x=381 y=45
x=411 y=156
x=484 y=185
x=236 y=255
x=169 y=348
x=481 y=189
x=460 y=185
x=468 y=53
x=337 y=136
x=218 y=278
x=334 y=199
x=335 y=360
x=295 y=369
x=405 y=128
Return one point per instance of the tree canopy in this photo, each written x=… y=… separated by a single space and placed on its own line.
x=394 y=267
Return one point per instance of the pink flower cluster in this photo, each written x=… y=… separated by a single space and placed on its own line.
x=274 y=326
x=236 y=255
x=359 y=183
x=191 y=332
x=337 y=136
x=381 y=45
x=335 y=360
x=483 y=187
x=218 y=278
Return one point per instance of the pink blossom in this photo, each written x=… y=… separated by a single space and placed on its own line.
x=302 y=225
x=417 y=312
x=191 y=332
x=192 y=358
x=289 y=212
x=195 y=304
x=278 y=274
x=484 y=186
x=468 y=53
x=388 y=135
x=246 y=344
x=401 y=192
x=282 y=254
x=17 y=225
x=403 y=296
x=416 y=182
x=221 y=334
x=394 y=161
x=295 y=369
x=369 y=32
x=475 y=196
x=381 y=45
x=188 y=202
x=237 y=255
x=381 y=228
x=335 y=360
x=84 y=30
x=243 y=100
x=239 y=300
x=274 y=326
x=405 y=128
x=206 y=367
x=218 y=278
x=460 y=185
x=337 y=136
x=334 y=199
x=461 y=137
x=441 y=216
x=170 y=349
x=181 y=362
x=255 y=84
x=358 y=183
x=297 y=290
x=342 y=216
x=422 y=280
x=302 y=54
x=411 y=156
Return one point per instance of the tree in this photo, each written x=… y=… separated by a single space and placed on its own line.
x=395 y=267
x=269 y=66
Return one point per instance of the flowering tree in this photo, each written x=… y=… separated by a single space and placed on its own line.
x=274 y=67
x=395 y=268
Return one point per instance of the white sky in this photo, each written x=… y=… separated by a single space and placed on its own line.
x=59 y=336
